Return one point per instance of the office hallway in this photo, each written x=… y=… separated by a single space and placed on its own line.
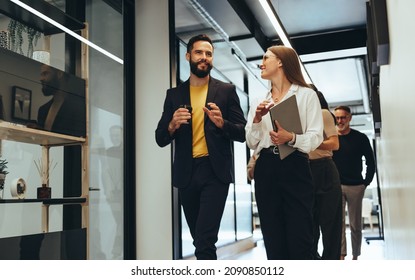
x=374 y=250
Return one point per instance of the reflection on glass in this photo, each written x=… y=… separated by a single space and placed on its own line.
x=65 y=111
x=112 y=173
x=41 y=96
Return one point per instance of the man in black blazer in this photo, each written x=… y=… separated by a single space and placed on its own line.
x=65 y=112
x=202 y=133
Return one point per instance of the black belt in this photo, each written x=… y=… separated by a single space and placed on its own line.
x=271 y=150
x=274 y=150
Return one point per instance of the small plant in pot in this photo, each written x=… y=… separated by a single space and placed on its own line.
x=3 y=173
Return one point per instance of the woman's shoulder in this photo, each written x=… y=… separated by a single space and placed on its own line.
x=306 y=93
x=326 y=112
x=306 y=90
x=328 y=117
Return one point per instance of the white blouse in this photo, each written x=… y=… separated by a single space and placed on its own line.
x=257 y=134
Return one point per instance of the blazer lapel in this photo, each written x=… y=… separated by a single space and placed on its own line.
x=212 y=90
x=185 y=96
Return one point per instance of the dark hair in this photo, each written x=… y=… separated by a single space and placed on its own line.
x=290 y=64
x=344 y=108
x=194 y=39
x=313 y=87
x=324 y=104
x=322 y=99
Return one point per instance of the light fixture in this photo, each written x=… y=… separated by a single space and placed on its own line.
x=275 y=21
x=334 y=54
x=67 y=30
x=236 y=51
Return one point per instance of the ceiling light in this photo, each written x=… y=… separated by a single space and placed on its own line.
x=67 y=30
x=334 y=54
x=275 y=21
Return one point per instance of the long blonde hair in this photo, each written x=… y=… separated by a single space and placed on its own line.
x=290 y=64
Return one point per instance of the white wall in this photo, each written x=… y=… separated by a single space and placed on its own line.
x=154 y=191
x=396 y=144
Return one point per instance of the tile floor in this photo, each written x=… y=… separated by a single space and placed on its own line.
x=374 y=250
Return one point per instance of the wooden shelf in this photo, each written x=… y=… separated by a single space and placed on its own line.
x=16 y=12
x=48 y=201
x=19 y=133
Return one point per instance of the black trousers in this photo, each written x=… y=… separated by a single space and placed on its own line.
x=203 y=202
x=327 y=211
x=284 y=196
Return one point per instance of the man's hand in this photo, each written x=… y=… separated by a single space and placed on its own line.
x=214 y=114
x=180 y=116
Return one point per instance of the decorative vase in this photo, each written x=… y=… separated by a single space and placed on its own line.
x=42 y=56
x=44 y=192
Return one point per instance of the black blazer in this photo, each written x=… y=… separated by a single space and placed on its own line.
x=70 y=119
x=219 y=141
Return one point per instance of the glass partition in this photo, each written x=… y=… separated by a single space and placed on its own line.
x=89 y=50
x=106 y=133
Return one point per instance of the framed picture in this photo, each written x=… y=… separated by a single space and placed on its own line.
x=21 y=101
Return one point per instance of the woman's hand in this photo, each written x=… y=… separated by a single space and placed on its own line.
x=281 y=136
x=262 y=109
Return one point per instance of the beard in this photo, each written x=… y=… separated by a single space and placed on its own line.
x=50 y=86
x=342 y=127
x=198 y=72
x=48 y=90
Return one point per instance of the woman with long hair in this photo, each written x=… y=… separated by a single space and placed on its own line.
x=284 y=187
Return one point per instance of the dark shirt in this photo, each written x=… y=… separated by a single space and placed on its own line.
x=348 y=158
x=70 y=119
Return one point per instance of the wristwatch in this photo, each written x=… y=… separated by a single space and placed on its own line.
x=292 y=142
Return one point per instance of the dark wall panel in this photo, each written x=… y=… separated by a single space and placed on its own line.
x=27 y=91
x=62 y=245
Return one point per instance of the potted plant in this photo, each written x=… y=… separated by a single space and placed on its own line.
x=16 y=30
x=3 y=173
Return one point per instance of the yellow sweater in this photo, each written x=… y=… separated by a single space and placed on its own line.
x=198 y=100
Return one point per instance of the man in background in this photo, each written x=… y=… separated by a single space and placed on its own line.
x=353 y=146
